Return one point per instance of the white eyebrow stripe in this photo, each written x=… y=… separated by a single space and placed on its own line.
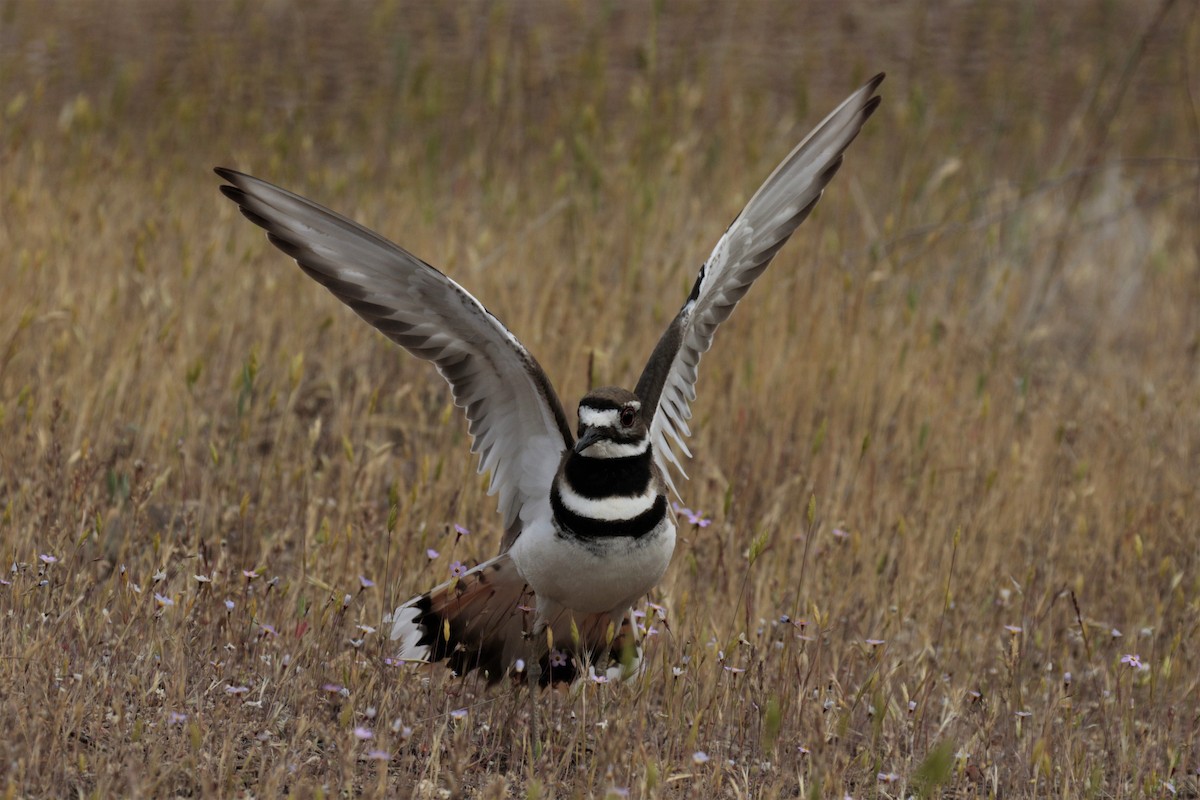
x=598 y=418
x=609 y=509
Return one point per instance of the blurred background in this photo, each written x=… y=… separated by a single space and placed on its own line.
x=968 y=388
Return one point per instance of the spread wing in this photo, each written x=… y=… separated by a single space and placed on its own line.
x=517 y=423
x=668 y=383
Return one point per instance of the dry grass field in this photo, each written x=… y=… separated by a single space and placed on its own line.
x=946 y=449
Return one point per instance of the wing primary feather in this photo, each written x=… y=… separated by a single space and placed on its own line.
x=516 y=421
x=752 y=240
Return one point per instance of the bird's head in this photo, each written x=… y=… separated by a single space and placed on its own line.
x=611 y=424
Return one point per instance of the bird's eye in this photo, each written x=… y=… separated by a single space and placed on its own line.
x=628 y=415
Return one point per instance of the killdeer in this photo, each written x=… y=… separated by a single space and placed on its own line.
x=587 y=526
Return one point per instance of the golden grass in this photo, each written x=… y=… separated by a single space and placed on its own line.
x=959 y=416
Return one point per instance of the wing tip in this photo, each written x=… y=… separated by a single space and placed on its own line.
x=233 y=193
x=870 y=106
x=873 y=100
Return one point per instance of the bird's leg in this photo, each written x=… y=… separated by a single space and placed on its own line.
x=533 y=678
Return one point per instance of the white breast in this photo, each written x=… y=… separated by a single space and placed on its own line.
x=613 y=508
x=593 y=575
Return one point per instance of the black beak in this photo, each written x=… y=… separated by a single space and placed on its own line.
x=589 y=438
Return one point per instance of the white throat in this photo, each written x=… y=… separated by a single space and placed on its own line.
x=606 y=449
